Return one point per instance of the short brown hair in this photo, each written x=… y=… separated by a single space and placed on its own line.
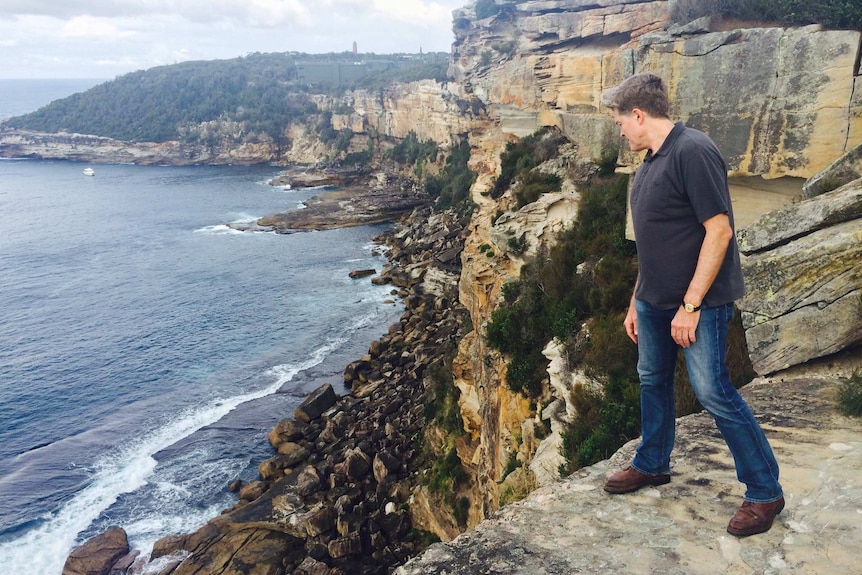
x=645 y=91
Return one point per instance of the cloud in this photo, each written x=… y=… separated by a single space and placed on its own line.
x=93 y=28
x=99 y=38
x=414 y=12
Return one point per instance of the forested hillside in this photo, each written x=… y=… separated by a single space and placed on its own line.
x=254 y=97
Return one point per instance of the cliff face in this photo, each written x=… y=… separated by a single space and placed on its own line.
x=780 y=103
x=432 y=111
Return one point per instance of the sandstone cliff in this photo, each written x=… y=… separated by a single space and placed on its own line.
x=782 y=103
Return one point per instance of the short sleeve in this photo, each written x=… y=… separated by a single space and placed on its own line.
x=705 y=178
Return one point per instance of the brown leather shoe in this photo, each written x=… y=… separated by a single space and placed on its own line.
x=630 y=479
x=754 y=518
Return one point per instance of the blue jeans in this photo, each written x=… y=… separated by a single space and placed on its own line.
x=707 y=370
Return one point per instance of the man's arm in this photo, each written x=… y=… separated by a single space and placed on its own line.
x=631 y=320
x=712 y=251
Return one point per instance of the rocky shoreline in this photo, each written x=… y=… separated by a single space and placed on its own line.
x=334 y=498
x=357 y=198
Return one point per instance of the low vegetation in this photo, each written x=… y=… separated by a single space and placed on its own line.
x=551 y=300
x=835 y=14
x=520 y=157
x=451 y=187
x=850 y=395
x=442 y=412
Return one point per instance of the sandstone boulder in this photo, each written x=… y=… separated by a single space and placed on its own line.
x=293 y=453
x=842 y=171
x=804 y=286
x=97 y=555
x=286 y=430
x=316 y=403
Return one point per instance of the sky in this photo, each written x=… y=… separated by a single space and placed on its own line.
x=107 y=38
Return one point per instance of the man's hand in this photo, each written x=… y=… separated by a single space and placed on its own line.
x=631 y=322
x=683 y=326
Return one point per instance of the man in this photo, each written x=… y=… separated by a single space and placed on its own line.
x=689 y=276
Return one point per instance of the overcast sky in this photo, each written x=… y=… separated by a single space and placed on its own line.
x=106 y=38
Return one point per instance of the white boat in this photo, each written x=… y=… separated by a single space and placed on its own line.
x=89 y=172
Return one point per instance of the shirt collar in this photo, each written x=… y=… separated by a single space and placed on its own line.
x=668 y=142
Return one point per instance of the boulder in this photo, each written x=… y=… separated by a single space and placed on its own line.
x=316 y=403
x=842 y=171
x=97 y=555
x=356 y=464
x=345 y=546
x=292 y=453
x=359 y=274
x=383 y=465
x=320 y=521
x=803 y=288
x=308 y=481
x=252 y=491
x=286 y=430
x=796 y=220
x=311 y=566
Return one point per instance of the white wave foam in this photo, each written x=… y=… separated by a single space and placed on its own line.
x=44 y=549
x=218 y=230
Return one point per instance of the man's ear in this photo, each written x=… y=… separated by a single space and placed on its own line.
x=639 y=115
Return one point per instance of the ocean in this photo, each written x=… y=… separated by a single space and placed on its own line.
x=147 y=349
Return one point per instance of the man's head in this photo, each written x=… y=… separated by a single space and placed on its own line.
x=640 y=109
x=644 y=91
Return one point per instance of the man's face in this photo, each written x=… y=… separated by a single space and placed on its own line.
x=631 y=128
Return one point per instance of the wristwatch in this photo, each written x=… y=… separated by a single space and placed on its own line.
x=690 y=307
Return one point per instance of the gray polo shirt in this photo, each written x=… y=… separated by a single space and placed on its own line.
x=674 y=191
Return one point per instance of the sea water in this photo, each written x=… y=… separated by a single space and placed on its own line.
x=147 y=349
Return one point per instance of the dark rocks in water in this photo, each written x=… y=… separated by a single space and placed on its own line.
x=315 y=404
x=362 y=200
x=359 y=274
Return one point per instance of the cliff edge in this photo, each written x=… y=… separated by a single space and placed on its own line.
x=573 y=526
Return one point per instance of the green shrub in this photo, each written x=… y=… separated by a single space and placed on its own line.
x=441 y=402
x=850 y=395
x=451 y=188
x=446 y=473
x=534 y=184
x=523 y=155
x=607 y=163
x=607 y=418
x=362 y=158
x=517 y=244
x=342 y=140
x=461 y=511
x=551 y=300
x=411 y=151
x=835 y=14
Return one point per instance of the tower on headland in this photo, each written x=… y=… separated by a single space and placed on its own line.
x=355 y=48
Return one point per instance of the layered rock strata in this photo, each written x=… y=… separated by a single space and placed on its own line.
x=777 y=101
x=803 y=274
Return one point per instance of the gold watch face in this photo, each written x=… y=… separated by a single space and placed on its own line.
x=689 y=308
